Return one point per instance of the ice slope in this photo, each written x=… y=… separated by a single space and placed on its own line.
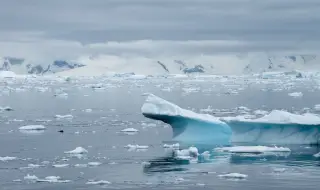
x=278 y=127
x=187 y=125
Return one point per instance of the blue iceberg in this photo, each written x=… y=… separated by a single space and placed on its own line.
x=278 y=127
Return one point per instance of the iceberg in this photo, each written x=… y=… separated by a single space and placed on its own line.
x=278 y=127
x=187 y=125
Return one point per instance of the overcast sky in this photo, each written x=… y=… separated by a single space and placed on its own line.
x=206 y=26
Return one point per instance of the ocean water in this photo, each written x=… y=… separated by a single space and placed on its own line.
x=102 y=107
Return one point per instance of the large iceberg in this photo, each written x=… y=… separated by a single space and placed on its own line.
x=187 y=125
x=278 y=127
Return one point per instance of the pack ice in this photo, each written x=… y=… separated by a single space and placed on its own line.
x=278 y=127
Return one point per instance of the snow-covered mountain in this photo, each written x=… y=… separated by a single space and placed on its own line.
x=223 y=64
x=22 y=66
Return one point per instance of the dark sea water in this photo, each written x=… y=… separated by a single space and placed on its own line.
x=115 y=105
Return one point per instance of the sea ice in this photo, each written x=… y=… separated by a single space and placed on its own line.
x=60 y=165
x=94 y=163
x=296 y=94
x=32 y=127
x=7 y=158
x=233 y=176
x=101 y=182
x=130 y=146
x=78 y=150
x=317 y=155
x=64 y=116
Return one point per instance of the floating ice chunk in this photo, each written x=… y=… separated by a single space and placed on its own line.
x=130 y=130
x=53 y=179
x=64 y=116
x=317 y=107
x=317 y=155
x=32 y=127
x=78 y=150
x=260 y=112
x=252 y=149
x=7 y=108
x=32 y=166
x=60 y=165
x=296 y=94
x=30 y=177
x=94 y=163
x=187 y=125
x=81 y=165
x=207 y=110
x=233 y=176
x=101 y=182
x=172 y=146
x=187 y=154
x=7 y=158
x=61 y=95
x=88 y=110
x=134 y=147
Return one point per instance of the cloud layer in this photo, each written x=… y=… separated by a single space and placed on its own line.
x=73 y=27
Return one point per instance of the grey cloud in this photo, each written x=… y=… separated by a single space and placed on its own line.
x=283 y=24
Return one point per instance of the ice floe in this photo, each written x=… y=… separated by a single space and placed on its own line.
x=32 y=127
x=60 y=165
x=130 y=130
x=100 y=182
x=7 y=158
x=233 y=176
x=78 y=150
x=64 y=116
x=317 y=155
x=296 y=94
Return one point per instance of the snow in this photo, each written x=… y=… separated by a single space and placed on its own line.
x=281 y=117
x=7 y=158
x=78 y=150
x=233 y=176
x=252 y=149
x=32 y=127
x=157 y=106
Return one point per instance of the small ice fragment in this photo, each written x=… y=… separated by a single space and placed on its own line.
x=260 y=112
x=233 y=176
x=317 y=107
x=17 y=180
x=33 y=166
x=7 y=108
x=32 y=127
x=317 y=155
x=279 y=170
x=101 y=182
x=171 y=146
x=130 y=130
x=80 y=165
x=78 y=150
x=94 y=163
x=88 y=110
x=30 y=177
x=296 y=94
x=130 y=146
x=53 y=179
x=60 y=165
x=64 y=116
x=7 y=158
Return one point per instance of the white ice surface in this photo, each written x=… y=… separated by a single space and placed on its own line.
x=281 y=117
x=252 y=149
x=32 y=127
x=78 y=150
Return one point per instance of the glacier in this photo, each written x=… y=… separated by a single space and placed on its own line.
x=278 y=127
